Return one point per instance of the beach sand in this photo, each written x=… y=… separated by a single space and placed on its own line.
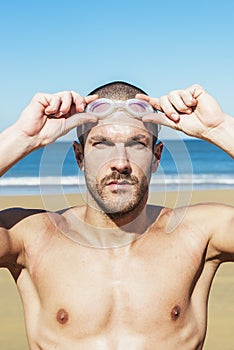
x=220 y=333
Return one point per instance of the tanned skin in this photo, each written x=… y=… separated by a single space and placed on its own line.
x=116 y=273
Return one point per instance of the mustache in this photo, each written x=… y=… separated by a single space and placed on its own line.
x=115 y=176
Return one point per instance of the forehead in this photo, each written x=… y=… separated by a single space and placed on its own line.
x=119 y=125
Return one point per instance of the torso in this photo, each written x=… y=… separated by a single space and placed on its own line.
x=148 y=295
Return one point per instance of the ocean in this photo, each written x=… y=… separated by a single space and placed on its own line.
x=185 y=165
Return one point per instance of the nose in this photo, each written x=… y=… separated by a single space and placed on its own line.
x=120 y=161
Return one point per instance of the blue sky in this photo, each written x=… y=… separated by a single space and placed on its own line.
x=77 y=45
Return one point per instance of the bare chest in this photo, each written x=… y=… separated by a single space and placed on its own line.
x=98 y=290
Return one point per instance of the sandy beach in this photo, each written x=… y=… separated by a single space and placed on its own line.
x=220 y=334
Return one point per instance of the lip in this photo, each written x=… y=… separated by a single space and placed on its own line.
x=118 y=183
x=116 y=186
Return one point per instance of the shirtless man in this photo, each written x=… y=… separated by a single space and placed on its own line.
x=108 y=275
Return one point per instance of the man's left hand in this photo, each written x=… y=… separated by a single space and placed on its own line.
x=191 y=110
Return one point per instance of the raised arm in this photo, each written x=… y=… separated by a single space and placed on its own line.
x=46 y=118
x=196 y=113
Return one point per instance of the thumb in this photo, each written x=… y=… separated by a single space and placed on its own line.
x=80 y=119
x=161 y=119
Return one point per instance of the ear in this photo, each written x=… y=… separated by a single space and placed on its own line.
x=157 y=152
x=79 y=154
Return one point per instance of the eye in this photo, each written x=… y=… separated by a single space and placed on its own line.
x=102 y=144
x=136 y=144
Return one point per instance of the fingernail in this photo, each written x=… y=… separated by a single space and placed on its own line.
x=175 y=115
x=58 y=114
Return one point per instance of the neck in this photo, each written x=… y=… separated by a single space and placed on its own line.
x=116 y=230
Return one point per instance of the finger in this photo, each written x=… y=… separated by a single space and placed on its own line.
x=81 y=102
x=71 y=103
x=196 y=90
x=161 y=104
x=78 y=103
x=66 y=102
x=175 y=98
x=188 y=98
x=90 y=98
x=48 y=102
x=151 y=100
x=54 y=102
x=168 y=108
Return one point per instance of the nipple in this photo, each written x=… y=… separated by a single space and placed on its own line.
x=175 y=312
x=62 y=316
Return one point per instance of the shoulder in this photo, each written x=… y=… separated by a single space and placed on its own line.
x=206 y=228
x=22 y=222
x=210 y=214
x=18 y=218
x=205 y=217
x=17 y=226
x=13 y=216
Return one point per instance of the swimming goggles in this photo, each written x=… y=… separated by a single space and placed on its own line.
x=103 y=107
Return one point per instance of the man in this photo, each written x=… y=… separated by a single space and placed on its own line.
x=141 y=287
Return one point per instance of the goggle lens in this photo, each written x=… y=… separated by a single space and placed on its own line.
x=138 y=107
x=103 y=107
x=99 y=107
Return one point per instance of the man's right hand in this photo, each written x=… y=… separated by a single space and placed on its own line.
x=49 y=116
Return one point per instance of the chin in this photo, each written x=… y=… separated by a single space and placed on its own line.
x=121 y=210
x=120 y=214
x=121 y=204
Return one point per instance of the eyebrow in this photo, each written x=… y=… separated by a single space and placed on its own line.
x=139 y=137
x=101 y=138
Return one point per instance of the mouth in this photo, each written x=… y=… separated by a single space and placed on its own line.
x=119 y=185
x=119 y=181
